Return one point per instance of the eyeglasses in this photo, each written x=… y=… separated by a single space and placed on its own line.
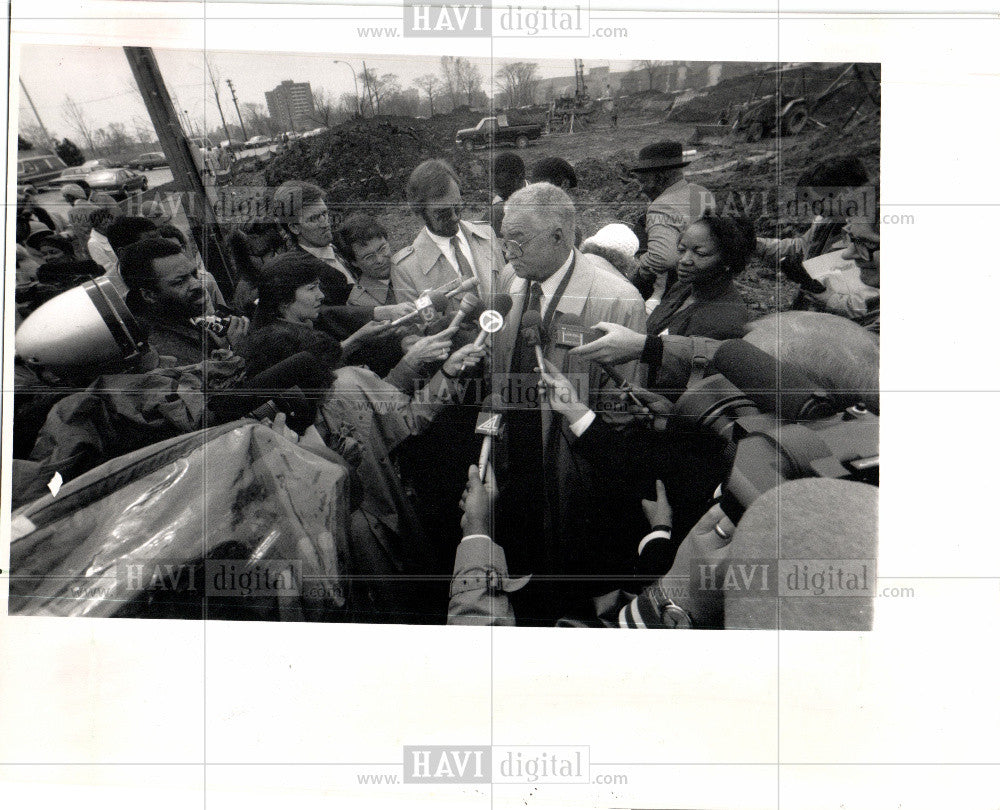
x=513 y=249
x=319 y=216
x=379 y=251
x=864 y=247
x=445 y=213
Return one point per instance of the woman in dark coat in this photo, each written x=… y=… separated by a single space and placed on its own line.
x=704 y=302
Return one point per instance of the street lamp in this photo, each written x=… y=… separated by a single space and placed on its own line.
x=357 y=93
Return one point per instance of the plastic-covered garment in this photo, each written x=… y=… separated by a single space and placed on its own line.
x=151 y=533
x=119 y=413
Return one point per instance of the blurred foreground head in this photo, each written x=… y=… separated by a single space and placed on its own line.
x=824 y=534
x=835 y=353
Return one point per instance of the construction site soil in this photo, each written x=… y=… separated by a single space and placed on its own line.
x=363 y=166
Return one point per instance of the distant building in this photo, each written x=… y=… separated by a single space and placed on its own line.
x=291 y=106
x=669 y=77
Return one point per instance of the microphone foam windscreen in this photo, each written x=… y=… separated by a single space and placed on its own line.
x=502 y=303
x=439 y=300
x=774 y=388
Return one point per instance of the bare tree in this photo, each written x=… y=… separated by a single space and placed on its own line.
x=429 y=83
x=74 y=115
x=258 y=122
x=350 y=104
x=470 y=80
x=143 y=134
x=652 y=69
x=325 y=112
x=450 y=80
x=519 y=82
x=378 y=87
x=35 y=134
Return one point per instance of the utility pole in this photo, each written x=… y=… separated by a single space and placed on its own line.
x=236 y=104
x=215 y=89
x=38 y=118
x=197 y=206
x=368 y=84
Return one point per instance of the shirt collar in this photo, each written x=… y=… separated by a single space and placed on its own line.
x=331 y=257
x=551 y=284
x=376 y=288
x=444 y=242
x=326 y=252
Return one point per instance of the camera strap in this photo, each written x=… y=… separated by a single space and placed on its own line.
x=700 y=355
x=799 y=445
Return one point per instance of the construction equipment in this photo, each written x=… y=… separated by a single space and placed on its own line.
x=790 y=107
x=568 y=111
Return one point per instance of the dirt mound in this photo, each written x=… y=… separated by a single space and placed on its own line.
x=808 y=80
x=370 y=159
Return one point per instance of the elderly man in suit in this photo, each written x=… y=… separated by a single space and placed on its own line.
x=448 y=249
x=553 y=521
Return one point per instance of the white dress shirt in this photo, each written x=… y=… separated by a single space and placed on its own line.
x=448 y=251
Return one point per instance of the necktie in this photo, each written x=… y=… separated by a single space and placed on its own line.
x=464 y=268
x=525 y=354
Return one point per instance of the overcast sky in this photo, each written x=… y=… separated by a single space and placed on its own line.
x=100 y=80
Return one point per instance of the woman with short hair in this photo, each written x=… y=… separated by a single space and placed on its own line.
x=704 y=301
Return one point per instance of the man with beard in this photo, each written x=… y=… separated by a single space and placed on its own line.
x=168 y=295
x=448 y=249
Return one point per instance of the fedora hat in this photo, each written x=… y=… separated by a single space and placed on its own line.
x=662 y=155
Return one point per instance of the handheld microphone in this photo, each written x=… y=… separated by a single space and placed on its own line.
x=624 y=386
x=494 y=318
x=432 y=301
x=470 y=303
x=772 y=387
x=490 y=426
x=531 y=334
x=468 y=285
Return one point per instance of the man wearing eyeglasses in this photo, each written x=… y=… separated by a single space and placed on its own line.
x=853 y=291
x=301 y=210
x=555 y=517
x=448 y=249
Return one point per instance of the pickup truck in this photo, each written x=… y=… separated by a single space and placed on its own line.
x=496 y=130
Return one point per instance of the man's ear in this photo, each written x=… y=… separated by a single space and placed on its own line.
x=147 y=295
x=559 y=235
x=295 y=228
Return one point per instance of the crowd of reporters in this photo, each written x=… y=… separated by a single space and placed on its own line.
x=380 y=365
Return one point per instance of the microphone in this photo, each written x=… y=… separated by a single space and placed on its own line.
x=531 y=334
x=470 y=303
x=501 y=307
x=490 y=426
x=468 y=285
x=756 y=374
x=432 y=301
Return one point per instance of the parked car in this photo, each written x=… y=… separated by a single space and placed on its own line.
x=81 y=172
x=38 y=169
x=495 y=130
x=119 y=183
x=148 y=160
